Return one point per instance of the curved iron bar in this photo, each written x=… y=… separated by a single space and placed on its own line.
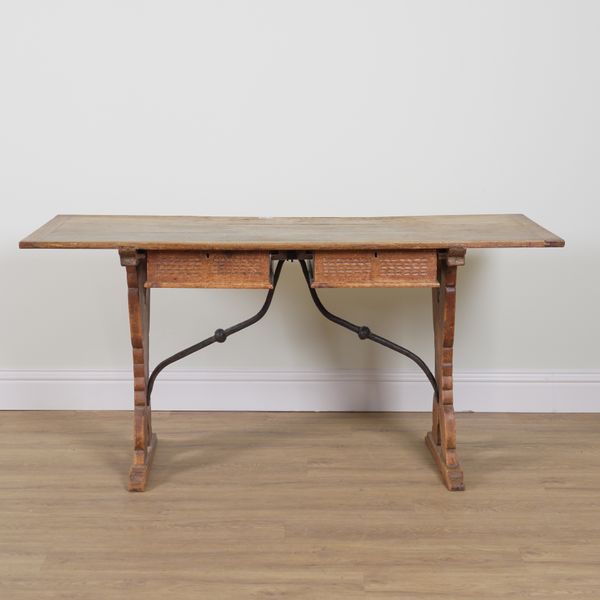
x=220 y=335
x=364 y=333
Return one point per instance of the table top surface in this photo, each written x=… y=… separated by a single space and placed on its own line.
x=290 y=233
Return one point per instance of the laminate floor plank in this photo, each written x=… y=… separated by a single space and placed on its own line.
x=298 y=505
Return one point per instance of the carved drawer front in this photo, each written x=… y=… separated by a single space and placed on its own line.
x=382 y=268
x=196 y=269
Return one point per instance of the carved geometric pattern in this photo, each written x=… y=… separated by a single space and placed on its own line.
x=191 y=268
x=386 y=268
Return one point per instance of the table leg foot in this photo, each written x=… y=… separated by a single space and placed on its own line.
x=139 y=474
x=452 y=476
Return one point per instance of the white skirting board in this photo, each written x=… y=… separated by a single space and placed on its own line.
x=354 y=390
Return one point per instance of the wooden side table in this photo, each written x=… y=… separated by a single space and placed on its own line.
x=245 y=252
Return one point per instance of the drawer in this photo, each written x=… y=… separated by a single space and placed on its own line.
x=197 y=269
x=381 y=268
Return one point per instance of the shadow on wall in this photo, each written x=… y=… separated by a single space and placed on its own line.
x=76 y=307
x=401 y=315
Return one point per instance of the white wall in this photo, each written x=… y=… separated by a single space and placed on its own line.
x=301 y=108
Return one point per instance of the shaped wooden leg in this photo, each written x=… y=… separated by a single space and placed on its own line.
x=139 y=322
x=441 y=440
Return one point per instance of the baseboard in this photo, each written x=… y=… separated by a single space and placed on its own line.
x=494 y=391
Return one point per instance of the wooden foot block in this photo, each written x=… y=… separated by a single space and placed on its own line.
x=138 y=474
x=452 y=476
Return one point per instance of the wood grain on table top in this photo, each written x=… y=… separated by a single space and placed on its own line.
x=290 y=233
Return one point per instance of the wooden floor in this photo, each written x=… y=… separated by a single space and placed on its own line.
x=301 y=505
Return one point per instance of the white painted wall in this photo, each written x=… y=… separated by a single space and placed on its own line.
x=301 y=108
